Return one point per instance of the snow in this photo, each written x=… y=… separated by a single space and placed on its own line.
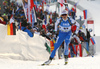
x=21 y=46
x=14 y=49
x=74 y=63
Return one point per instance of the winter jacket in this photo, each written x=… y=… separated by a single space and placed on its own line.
x=82 y=37
x=28 y=31
x=2 y=22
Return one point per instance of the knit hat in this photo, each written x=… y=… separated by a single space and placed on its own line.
x=64 y=12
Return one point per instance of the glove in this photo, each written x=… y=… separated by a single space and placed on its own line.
x=74 y=34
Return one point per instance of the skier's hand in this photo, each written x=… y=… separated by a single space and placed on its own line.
x=74 y=34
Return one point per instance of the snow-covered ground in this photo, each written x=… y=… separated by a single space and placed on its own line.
x=74 y=63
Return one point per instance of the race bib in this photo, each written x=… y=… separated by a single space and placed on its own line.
x=64 y=29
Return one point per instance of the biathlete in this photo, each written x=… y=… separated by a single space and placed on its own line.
x=65 y=33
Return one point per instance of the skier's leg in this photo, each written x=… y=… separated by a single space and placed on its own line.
x=59 y=41
x=71 y=51
x=67 y=41
x=59 y=52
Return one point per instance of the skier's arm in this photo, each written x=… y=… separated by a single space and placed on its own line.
x=56 y=24
x=75 y=23
x=77 y=29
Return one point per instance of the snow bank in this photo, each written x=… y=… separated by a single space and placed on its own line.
x=21 y=46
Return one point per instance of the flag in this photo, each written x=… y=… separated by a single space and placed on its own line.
x=44 y=23
x=67 y=9
x=74 y=7
x=61 y=2
x=11 y=19
x=85 y=14
x=11 y=29
x=92 y=41
x=30 y=7
x=25 y=7
x=34 y=17
x=8 y=29
x=11 y=25
x=69 y=54
x=79 y=50
x=44 y=26
x=31 y=4
x=51 y=45
x=31 y=14
x=36 y=5
x=61 y=7
x=50 y=18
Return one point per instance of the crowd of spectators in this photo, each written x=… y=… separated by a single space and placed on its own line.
x=19 y=18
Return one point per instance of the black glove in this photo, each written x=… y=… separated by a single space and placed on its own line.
x=74 y=34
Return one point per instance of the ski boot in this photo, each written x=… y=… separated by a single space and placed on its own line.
x=47 y=62
x=66 y=59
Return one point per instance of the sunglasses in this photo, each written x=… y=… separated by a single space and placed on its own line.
x=64 y=14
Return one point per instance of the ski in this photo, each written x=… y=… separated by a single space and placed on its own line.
x=46 y=65
x=52 y=64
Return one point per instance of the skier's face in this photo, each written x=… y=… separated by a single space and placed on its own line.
x=64 y=16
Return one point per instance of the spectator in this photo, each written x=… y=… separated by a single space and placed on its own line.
x=74 y=41
x=43 y=33
x=35 y=28
x=2 y=20
x=25 y=29
x=88 y=36
x=82 y=36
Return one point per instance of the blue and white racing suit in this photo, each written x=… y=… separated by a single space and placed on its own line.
x=64 y=34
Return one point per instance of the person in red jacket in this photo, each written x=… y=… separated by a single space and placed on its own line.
x=2 y=22
x=74 y=41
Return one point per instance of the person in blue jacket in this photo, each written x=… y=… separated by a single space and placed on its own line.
x=25 y=29
x=65 y=33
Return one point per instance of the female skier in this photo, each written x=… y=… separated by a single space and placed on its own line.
x=64 y=24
